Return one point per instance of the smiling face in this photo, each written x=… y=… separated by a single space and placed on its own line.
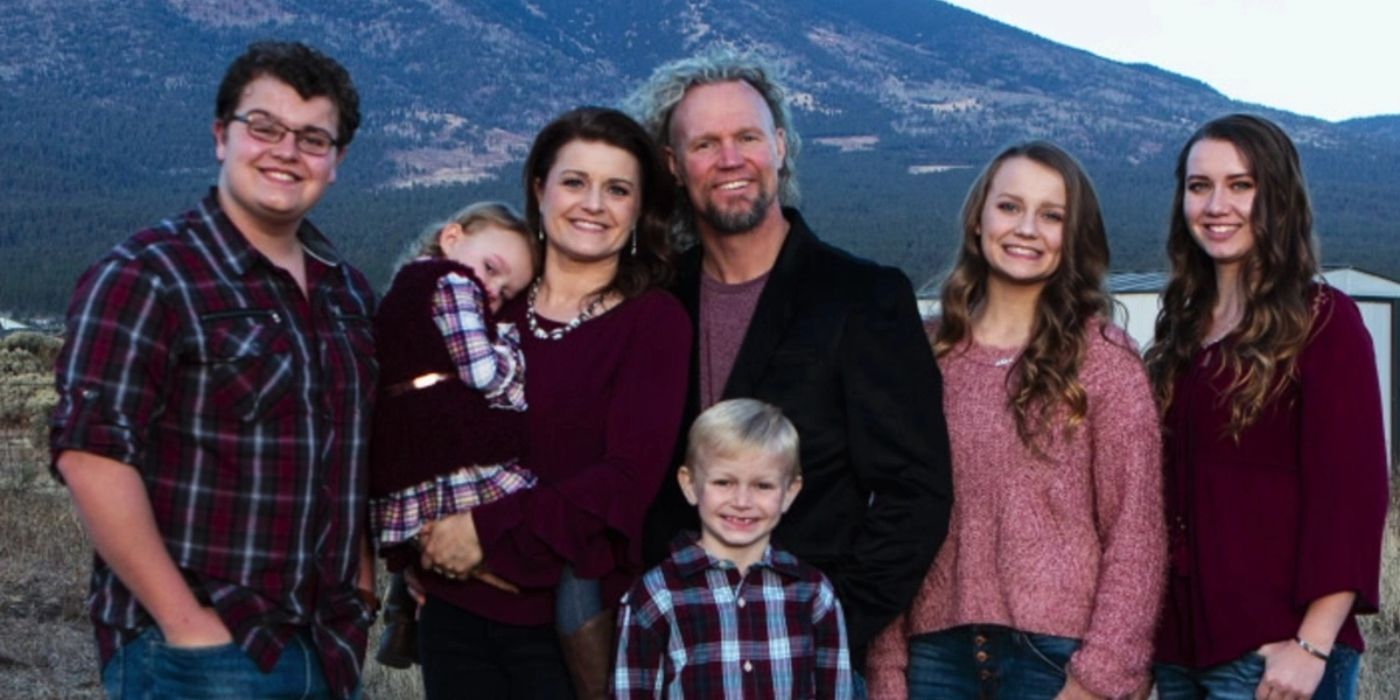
x=267 y=188
x=726 y=153
x=499 y=257
x=741 y=499
x=589 y=201
x=1218 y=201
x=1021 y=229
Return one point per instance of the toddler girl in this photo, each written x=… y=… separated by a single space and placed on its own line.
x=449 y=421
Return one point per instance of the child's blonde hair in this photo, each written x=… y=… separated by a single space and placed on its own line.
x=736 y=426
x=473 y=218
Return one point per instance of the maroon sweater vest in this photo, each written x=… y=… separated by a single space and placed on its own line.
x=425 y=433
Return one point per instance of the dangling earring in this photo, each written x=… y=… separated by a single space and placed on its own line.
x=634 y=241
x=541 y=233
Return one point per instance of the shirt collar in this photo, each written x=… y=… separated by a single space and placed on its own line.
x=691 y=559
x=226 y=237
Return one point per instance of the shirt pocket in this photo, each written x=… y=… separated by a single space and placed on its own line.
x=242 y=363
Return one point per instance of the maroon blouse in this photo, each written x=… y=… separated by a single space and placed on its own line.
x=1293 y=511
x=605 y=410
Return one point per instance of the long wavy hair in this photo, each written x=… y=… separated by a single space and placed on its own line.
x=1046 y=374
x=651 y=266
x=1276 y=277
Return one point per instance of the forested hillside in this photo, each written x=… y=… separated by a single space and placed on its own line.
x=105 y=110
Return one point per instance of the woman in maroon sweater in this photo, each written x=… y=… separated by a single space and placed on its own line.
x=1275 y=450
x=607 y=354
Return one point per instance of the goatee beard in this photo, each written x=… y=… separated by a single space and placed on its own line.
x=739 y=221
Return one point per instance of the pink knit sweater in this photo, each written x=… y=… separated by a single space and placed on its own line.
x=1073 y=545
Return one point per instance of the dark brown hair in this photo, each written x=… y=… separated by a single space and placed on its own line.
x=651 y=265
x=1276 y=276
x=306 y=70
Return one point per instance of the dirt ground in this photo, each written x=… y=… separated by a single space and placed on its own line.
x=46 y=649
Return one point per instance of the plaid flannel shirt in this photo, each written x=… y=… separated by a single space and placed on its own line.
x=694 y=627
x=245 y=406
x=495 y=368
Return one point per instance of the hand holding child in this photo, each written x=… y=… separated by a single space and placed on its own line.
x=450 y=546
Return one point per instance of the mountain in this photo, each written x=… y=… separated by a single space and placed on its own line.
x=105 y=109
x=1385 y=126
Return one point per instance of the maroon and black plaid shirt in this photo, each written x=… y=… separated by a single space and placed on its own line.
x=246 y=407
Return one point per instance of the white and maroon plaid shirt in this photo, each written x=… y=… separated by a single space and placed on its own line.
x=694 y=627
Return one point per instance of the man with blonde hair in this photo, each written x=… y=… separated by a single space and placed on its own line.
x=780 y=316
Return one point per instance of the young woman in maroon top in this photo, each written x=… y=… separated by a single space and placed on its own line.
x=1275 y=448
x=607 y=354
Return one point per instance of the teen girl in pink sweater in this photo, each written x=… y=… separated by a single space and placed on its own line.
x=1049 y=582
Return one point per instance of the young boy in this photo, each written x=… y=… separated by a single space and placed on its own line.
x=726 y=615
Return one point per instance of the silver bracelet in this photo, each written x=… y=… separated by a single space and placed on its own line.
x=1308 y=647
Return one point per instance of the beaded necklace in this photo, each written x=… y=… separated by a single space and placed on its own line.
x=561 y=331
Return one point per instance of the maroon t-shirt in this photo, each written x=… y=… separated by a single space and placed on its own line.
x=725 y=312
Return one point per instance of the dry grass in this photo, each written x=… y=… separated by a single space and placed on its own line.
x=382 y=682
x=1380 y=665
x=46 y=648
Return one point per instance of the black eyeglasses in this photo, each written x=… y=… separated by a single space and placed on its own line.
x=310 y=140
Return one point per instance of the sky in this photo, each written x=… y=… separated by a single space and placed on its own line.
x=1334 y=59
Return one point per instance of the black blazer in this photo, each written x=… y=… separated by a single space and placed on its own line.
x=837 y=343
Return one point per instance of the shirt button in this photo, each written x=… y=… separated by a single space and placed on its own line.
x=985 y=674
x=748 y=666
x=979 y=640
x=981 y=657
x=741 y=603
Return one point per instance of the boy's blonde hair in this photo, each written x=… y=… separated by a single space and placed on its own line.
x=733 y=427
x=473 y=218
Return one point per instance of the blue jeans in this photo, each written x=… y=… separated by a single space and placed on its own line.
x=147 y=669
x=987 y=662
x=859 y=690
x=576 y=601
x=1238 y=679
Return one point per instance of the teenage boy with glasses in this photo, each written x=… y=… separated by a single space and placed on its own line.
x=214 y=394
